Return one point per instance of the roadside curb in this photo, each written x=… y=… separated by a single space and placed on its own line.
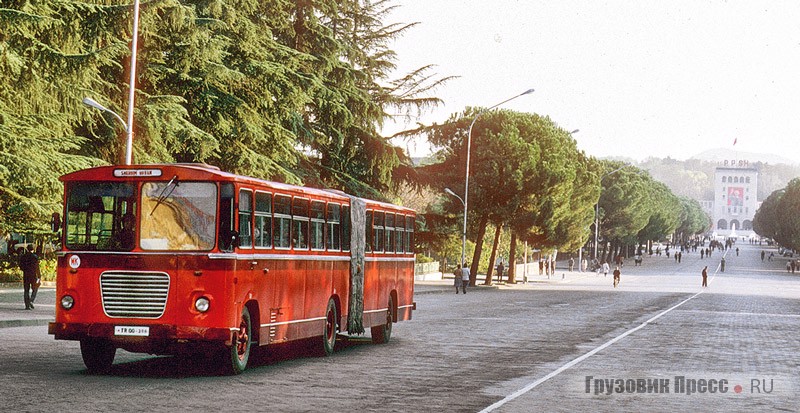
x=24 y=323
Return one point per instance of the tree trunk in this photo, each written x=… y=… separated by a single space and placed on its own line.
x=493 y=256
x=512 y=259
x=476 y=257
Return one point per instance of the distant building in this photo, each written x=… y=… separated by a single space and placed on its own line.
x=735 y=200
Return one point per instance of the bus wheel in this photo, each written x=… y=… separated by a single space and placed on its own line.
x=382 y=333
x=331 y=328
x=98 y=355
x=239 y=352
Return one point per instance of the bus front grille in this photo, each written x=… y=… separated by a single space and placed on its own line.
x=134 y=294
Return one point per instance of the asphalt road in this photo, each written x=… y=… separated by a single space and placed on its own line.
x=659 y=342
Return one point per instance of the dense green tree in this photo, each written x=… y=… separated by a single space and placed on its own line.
x=524 y=172
x=288 y=90
x=623 y=206
x=779 y=216
x=665 y=213
x=766 y=222
x=694 y=220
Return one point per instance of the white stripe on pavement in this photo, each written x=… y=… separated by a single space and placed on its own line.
x=572 y=363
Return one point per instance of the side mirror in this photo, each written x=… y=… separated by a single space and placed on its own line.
x=55 y=222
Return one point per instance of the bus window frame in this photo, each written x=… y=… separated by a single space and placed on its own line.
x=249 y=213
x=378 y=217
x=333 y=227
x=313 y=220
x=281 y=216
x=400 y=233
x=268 y=215
x=300 y=219
x=347 y=228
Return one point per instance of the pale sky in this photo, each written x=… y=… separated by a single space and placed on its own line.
x=637 y=78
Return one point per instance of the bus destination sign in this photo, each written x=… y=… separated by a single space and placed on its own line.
x=131 y=173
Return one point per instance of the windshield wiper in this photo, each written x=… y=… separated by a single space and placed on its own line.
x=166 y=192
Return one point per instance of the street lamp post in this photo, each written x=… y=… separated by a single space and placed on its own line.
x=464 y=233
x=132 y=86
x=466 y=175
x=580 y=249
x=131 y=89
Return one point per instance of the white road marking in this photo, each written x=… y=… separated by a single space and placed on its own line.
x=572 y=363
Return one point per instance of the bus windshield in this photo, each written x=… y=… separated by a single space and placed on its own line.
x=173 y=216
x=100 y=216
x=178 y=215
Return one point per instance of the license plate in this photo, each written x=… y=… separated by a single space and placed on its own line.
x=131 y=331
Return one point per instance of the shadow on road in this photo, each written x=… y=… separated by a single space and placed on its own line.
x=200 y=365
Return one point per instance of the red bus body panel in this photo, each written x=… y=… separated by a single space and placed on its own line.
x=286 y=291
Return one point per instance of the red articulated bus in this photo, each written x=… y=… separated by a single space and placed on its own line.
x=185 y=258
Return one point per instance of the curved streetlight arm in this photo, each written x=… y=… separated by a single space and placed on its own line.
x=91 y=102
x=450 y=192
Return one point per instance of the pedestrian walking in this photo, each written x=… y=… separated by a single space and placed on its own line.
x=702 y=252
x=722 y=265
x=605 y=269
x=617 y=273
x=464 y=278
x=705 y=276
x=457 y=278
x=500 y=269
x=788 y=266
x=29 y=264
x=762 y=255
x=571 y=263
x=737 y=251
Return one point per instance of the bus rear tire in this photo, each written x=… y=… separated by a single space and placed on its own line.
x=331 y=328
x=237 y=355
x=382 y=333
x=97 y=354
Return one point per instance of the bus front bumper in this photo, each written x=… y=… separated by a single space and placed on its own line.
x=145 y=333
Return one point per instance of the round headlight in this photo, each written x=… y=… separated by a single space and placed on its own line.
x=67 y=302
x=202 y=304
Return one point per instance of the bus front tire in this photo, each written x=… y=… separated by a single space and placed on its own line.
x=97 y=354
x=237 y=355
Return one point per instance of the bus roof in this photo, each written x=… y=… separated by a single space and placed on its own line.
x=196 y=171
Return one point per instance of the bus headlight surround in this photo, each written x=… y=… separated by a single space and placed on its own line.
x=67 y=302
x=202 y=304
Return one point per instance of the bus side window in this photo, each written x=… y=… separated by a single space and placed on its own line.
x=369 y=232
x=263 y=233
x=226 y=232
x=409 y=234
x=300 y=223
x=377 y=225
x=282 y=221
x=389 y=232
x=399 y=230
x=245 y=216
x=334 y=236
x=346 y=227
x=317 y=225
